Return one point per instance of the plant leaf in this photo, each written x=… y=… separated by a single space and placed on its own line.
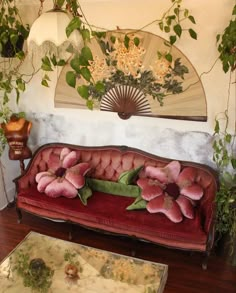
x=167 y=29
x=84 y=193
x=61 y=62
x=46 y=64
x=228 y=138
x=217 y=127
x=168 y=57
x=234 y=10
x=87 y=53
x=138 y=204
x=233 y=162
x=85 y=34
x=13 y=39
x=192 y=19
x=74 y=24
x=85 y=72
x=90 y=104
x=75 y=64
x=178 y=30
x=100 y=87
x=83 y=91
x=44 y=83
x=54 y=60
x=60 y=2
x=172 y=39
x=71 y=78
x=193 y=34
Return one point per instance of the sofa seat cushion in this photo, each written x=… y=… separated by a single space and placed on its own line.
x=108 y=212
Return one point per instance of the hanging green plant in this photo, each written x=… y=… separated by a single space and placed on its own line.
x=224 y=149
x=227 y=44
x=12 y=31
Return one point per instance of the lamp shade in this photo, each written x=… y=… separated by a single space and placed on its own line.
x=51 y=27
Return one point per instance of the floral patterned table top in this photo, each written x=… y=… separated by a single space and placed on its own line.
x=45 y=264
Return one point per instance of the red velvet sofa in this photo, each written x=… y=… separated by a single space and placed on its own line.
x=108 y=212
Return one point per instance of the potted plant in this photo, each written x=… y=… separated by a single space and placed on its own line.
x=225 y=149
x=12 y=35
x=12 y=31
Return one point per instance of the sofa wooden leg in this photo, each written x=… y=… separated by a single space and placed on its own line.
x=71 y=232
x=70 y=235
x=133 y=252
x=205 y=261
x=19 y=214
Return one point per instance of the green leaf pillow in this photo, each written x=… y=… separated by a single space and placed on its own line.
x=129 y=177
x=114 y=188
x=138 y=204
x=84 y=194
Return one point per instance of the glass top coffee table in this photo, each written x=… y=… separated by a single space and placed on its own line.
x=45 y=264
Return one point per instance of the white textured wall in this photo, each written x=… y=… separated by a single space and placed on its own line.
x=182 y=140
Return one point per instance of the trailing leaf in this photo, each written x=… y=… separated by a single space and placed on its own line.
x=75 y=63
x=83 y=91
x=178 y=30
x=71 y=78
x=85 y=72
x=193 y=34
x=86 y=53
x=74 y=24
x=46 y=64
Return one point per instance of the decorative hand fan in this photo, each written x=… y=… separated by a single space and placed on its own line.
x=142 y=81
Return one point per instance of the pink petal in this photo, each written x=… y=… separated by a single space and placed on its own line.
x=61 y=187
x=156 y=173
x=44 y=182
x=54 y=162
x=186 y=177
x=150 y=188
x=166 y=205
x=204 y=178
x=75 y=175
x=64 y=153
x=150 y=192
x=173 y=168
x=70 y=160
x=42 y=174
x=167 y=174
x=144 y=182
x=186 y=206
x=193 y=191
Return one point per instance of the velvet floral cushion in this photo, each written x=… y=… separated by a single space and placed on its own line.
x=171 y=191
x=65 y=176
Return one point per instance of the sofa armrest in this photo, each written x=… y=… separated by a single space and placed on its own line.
x=208 y=207
x=38 y=163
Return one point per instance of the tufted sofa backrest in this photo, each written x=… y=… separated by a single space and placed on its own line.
x=107 y=162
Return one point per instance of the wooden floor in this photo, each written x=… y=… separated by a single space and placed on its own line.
x=185 y=272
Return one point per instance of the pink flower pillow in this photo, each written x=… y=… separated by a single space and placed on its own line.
x=64 y=177
x=171 y=191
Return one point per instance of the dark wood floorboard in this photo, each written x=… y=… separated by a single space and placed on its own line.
x=185 y=272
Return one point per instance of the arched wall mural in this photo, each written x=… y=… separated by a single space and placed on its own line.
x=126 y=99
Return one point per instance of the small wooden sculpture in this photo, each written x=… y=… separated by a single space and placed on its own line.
x=17 y=131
